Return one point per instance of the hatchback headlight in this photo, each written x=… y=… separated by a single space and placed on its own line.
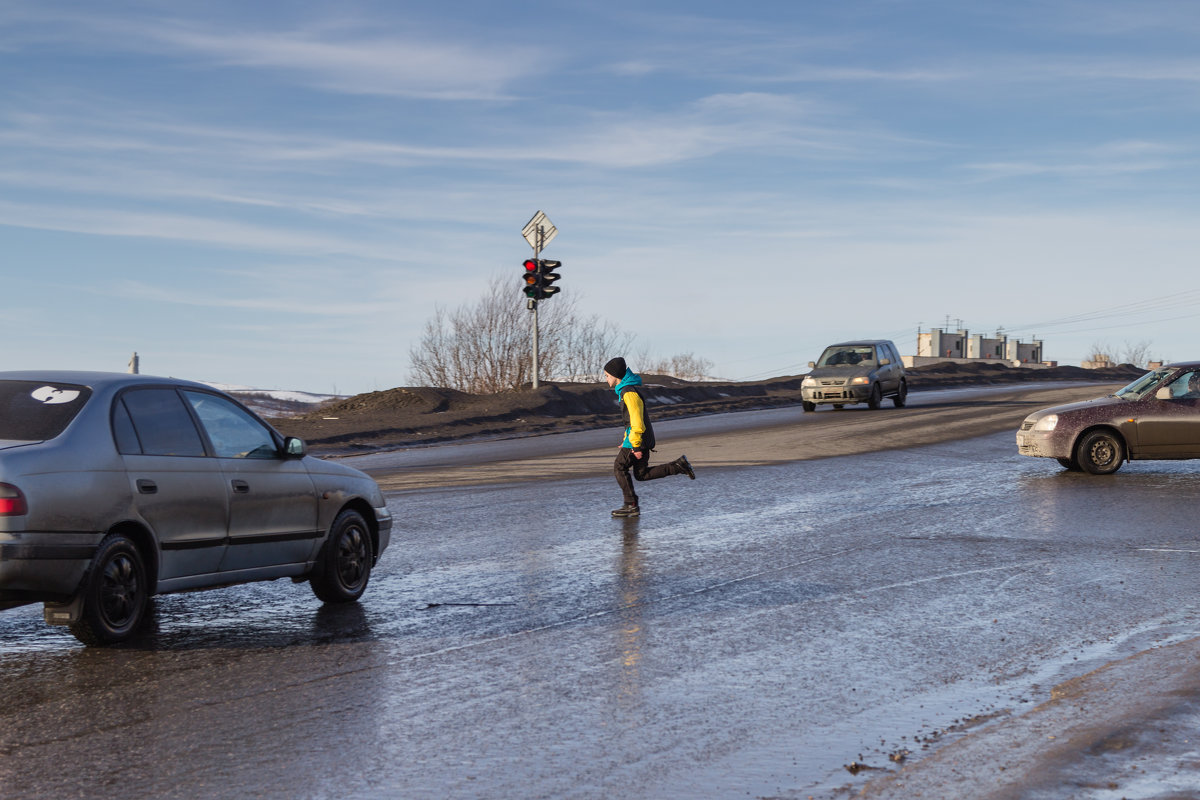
x=1046 y=423
x=859 y=381
x=808 y=381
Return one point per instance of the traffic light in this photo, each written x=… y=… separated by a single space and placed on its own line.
x=546 y=270
x=538 y=277
x=532 y=279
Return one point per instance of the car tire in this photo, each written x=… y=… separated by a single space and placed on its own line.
x=807 y=406
x=839 y=406
x=1100 y=453
x=115 y=593
x=344 y=566
x=1069 y=464
x=901 y=395
x=875 y=397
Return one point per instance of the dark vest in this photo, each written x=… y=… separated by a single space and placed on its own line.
x=647 y=437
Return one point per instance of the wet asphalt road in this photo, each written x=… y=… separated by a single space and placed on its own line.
x=752 y=633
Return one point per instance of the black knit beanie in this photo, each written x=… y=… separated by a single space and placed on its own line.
x=616 y=367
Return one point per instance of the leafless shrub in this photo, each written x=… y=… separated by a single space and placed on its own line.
x=485 y=348
x=1099 y=354
x=1136 y=353
x=684 y=366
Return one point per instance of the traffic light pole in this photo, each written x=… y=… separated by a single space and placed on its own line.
x=539 y=231
x=533 y=304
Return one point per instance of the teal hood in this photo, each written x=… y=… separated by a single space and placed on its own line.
x=631 y=379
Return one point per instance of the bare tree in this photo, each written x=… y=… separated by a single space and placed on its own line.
x=1100 y=354
x=584 y=346
x=473 y=348
x=1136 y=353
x=485 y=348
x=684 y=366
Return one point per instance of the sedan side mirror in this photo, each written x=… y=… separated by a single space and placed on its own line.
x=293 y=447
x=883 y=362
x=812 y=364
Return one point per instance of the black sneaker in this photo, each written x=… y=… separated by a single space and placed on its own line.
x=627 y=511
x=686 y=467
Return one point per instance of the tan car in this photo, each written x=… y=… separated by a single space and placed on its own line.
x=1155 y=417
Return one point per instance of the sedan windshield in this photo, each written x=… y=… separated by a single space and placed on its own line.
x=1143 y=385
x=31 y=411
x=846 y=356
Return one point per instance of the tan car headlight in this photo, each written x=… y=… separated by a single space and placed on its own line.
x=1046 y=423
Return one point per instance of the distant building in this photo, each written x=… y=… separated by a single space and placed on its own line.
x=964 y=347
x=133 y=364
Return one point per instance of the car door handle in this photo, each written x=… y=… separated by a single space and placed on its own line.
x=240 y=486
x=147 y=486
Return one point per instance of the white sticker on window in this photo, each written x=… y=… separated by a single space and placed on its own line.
x=52 y=396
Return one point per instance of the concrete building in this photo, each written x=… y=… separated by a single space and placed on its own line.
x=962 y=346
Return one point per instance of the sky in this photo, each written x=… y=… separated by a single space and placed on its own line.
x=280 y=194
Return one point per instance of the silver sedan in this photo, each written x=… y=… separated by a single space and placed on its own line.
x=114 y=488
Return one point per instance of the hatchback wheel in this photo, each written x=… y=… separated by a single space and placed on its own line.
x=808 y=406
x=1069 y=464
x=344 y=566
x=901 y=395
x=114 y=593
x=875 y=397
x=1100 y=453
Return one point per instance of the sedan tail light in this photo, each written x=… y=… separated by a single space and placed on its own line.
x=12 y=502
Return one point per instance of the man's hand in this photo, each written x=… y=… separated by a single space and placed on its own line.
x=637 y=454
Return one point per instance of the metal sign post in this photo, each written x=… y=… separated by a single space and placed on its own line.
x=538 y=232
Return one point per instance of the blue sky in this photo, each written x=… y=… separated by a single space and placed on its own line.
x=278 y=194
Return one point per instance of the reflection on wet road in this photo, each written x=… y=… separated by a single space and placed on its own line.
x=752 y=633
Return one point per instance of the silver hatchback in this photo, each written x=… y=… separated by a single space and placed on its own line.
x=856 y=372
x=114 y=488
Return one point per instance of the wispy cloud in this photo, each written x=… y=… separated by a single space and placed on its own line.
x=195 y=228
x=366 y=63
x=717 y=123
x=1105 y=160
x=274 y=303
x=346 y=57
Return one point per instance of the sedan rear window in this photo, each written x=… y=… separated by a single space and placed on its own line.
x=162 y=424
x=32 y=411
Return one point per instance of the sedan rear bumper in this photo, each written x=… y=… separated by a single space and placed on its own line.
x=36 y=566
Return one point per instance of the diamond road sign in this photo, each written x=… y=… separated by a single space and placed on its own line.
x=539 y=231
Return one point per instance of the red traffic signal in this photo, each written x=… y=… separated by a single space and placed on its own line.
x=531 y=279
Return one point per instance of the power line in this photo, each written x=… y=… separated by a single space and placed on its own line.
x=1155 y=304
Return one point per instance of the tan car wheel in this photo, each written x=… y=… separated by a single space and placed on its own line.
x=1100 y=453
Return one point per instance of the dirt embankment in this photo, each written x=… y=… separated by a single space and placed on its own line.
x=403 y=417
